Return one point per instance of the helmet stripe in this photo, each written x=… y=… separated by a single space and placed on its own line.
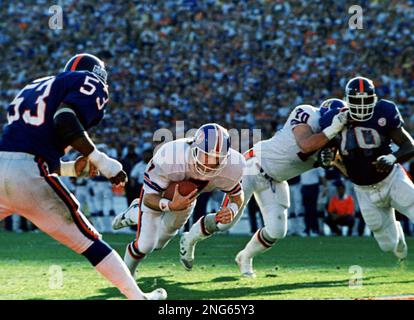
x=75 y=63
x=361 y=85
x=219 y=140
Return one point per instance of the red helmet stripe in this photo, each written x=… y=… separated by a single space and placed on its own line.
x=75 y=63
x=361 y=85
x=218 y=147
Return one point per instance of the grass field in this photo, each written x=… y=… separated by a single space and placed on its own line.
x=297 y=268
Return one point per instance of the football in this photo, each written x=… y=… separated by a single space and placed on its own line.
x=185 y=187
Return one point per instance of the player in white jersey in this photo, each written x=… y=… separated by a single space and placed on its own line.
x=206 y=160
x=290 y=152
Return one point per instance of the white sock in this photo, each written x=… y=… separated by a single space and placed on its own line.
x=256 y=245
x=196 y=232
x=115 y=270
x=131 y=259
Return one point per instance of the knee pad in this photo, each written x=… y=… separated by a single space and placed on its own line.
x=96 y=252
x=146 y=246
x=275 y=231
x=275 y=221
x=387 y=237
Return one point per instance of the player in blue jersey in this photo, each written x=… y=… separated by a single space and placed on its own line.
x=365 y=156
x=47 y=116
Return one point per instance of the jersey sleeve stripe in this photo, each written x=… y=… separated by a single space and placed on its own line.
x=152 y=183
x=149 y=184
x=235 y=190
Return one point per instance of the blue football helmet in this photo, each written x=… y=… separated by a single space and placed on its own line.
x=210 y=149
x=361 y=98
x=331 y=104
x=87 y=62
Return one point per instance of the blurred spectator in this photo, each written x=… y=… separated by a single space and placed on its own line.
x=243 y=64
x=341 y=210
x=128 y=161
x=136 y=181
x=310 y=182
x=296 y=223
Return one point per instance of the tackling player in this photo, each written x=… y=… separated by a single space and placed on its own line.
x=206 y=160
x=48 y=115
x=289 y=153
x=365 y=156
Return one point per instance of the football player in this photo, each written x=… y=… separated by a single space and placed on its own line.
x=47 y=116
x=206 y=160
x=365 y=156
x=289 y=153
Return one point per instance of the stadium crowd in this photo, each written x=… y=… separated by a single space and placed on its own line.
x=243 y=64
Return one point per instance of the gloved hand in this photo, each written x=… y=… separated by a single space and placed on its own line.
x=338 y=123
x=326 y=156
x=385 y=163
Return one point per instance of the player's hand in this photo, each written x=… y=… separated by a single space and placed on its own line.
x=224 y=216
x=85 y=168
x=180 y=202
x=385 y=163
x=338 y=123
x=120 y=179
x=327 y=155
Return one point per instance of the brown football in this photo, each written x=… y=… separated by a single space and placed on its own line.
x=184 y=187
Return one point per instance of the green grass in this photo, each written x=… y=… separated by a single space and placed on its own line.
x=297 y=268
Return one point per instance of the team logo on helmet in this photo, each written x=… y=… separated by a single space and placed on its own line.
x=210 y=149
x=382 y=122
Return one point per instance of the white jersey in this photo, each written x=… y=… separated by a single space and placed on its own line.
x=280 y=156
x=173 y=162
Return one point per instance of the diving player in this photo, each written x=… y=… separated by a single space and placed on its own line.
x=365 y=156
x=206 y=160
x=289 y=153
x=47 y=116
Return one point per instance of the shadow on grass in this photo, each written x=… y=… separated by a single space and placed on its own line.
x=179 y=290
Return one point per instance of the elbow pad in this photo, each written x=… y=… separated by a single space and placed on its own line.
x=67 y=126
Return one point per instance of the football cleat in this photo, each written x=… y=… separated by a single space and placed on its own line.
x=186 y=252
x=123 y=219
x=245 y=265
x=157 y=294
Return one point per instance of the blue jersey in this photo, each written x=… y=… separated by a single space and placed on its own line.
x=30 y=127
x=361 y=143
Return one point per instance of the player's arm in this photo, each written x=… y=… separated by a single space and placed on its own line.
x=70 y=131
x=308 y=141
x=156 y=202
x=157 y=178
x=404 y=153
x=231 y=205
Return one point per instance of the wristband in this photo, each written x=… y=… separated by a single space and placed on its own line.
x=164 y=205
x=107 y=166
x=330 y=132
x=67 y=169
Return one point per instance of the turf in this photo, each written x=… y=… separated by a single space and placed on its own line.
x=297 y=268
